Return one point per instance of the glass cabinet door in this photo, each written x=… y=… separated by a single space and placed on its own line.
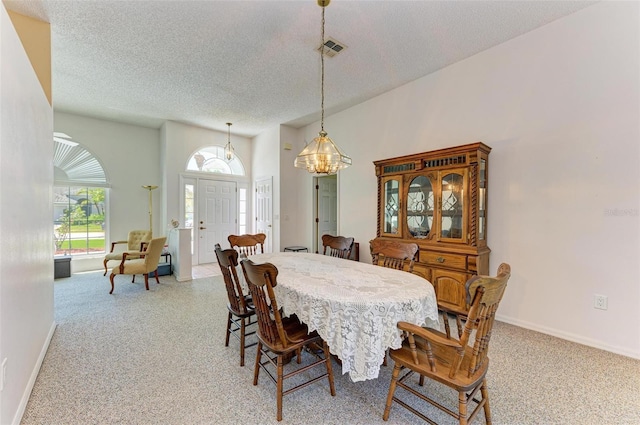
x=420 y=207
x=391 y=213
x=451 y=205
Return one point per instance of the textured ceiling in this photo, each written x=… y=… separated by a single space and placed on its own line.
x=254 y=63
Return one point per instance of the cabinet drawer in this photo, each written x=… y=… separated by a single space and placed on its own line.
x=439 y=259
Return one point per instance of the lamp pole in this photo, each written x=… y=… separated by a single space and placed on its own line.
x=150 y=188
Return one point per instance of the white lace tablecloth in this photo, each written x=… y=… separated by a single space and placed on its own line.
x=354 y=306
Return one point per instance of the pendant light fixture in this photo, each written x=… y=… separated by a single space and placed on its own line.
x=229 y=152
x=322 y=156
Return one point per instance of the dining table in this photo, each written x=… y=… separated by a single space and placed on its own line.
x=354 y=306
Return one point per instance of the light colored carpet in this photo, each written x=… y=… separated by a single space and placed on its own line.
x=158 y=357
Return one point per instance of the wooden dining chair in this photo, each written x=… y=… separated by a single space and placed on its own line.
x=393 y=254
x=281 y=337
x=461 y=365
x=337 y=246
x=241 y=311
x=248 y=244
x=458 y=314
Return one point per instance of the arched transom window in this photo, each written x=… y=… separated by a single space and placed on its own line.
x=211 y=160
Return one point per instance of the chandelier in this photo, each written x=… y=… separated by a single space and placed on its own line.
x=322 y=155
x=229 y=152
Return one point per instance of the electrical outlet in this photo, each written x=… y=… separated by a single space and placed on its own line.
x=600 y=301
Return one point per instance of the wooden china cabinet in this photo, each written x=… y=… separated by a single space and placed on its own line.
x=438 y=200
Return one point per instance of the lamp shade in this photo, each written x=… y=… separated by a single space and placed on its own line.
x=322 y=156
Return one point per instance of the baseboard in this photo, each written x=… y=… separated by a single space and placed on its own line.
x=181 y=278
x=34 y=375
x=570 y=337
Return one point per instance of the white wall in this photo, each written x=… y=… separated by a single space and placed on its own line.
x=26 y=251
x=295 y=208
x=560 y=108
x=266 y=148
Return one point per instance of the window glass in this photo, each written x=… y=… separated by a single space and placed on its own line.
x=242 y=205
x=189 y=207
x=78 y=220
x=211 y=159
x=79 y=199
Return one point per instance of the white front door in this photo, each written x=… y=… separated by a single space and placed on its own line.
x=327 y=198
x=217 y=217
x=264 y=210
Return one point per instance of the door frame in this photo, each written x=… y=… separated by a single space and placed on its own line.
x=242 y=182
x=316 y=209
x=268 y=246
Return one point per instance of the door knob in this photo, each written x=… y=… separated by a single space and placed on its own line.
x=202 y=228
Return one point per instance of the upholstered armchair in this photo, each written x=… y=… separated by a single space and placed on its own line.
x=144 y=263
x=136 y=242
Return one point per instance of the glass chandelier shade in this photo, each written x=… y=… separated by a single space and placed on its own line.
x=229 y=151
x=322 y=155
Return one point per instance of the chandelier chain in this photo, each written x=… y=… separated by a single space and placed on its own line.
x=321 y=155
x=322 y=75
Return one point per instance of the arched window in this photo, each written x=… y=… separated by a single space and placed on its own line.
x=211 y=160
x=79 y=199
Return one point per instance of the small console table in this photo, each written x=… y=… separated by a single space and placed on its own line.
x=296 y=248
x=164 y=268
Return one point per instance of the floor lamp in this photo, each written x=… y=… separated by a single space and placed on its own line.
x=150 y=188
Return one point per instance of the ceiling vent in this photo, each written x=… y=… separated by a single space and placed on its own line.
x=332 y=47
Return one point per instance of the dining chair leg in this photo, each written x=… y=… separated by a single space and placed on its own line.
x=327 y=359
x=392 y=390
x=459 y=325
x=279 y=385
x=226 y=340
x=462 y=407
x=243 y=327
x=485 y=397
x=256 y=369
x=447 y=326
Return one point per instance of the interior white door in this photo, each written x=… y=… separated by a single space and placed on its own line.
x=327 y=199
x=264 y=210
x=217 y=217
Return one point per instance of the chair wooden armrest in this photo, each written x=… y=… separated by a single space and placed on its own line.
x=113 y=244
x=429 y=335
x=136 y=255
x=453 y=310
